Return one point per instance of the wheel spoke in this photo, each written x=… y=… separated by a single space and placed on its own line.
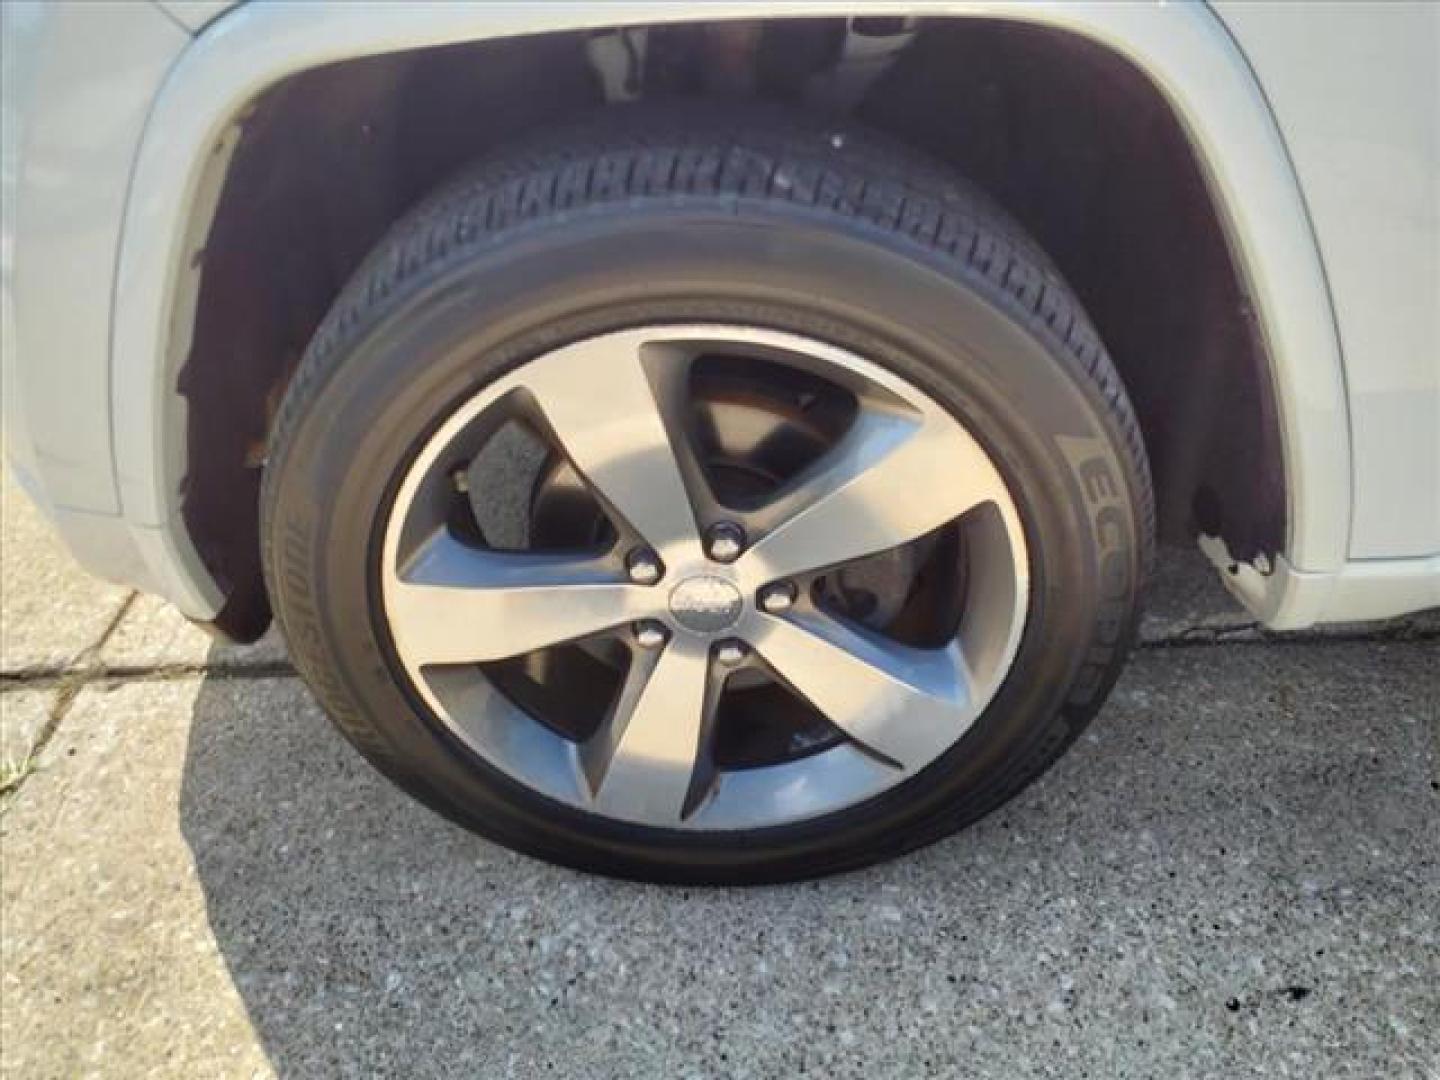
x=643 y=762
x=600 y=403
x=454 y=604
x=903 y=703
x=890 y=480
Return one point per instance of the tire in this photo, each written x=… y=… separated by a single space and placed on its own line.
x=693 y=216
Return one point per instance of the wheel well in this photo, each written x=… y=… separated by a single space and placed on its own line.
x=1070 y=138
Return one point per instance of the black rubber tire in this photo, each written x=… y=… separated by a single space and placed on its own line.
x=743 y=215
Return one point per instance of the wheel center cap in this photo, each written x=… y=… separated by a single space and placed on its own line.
x=706 y=604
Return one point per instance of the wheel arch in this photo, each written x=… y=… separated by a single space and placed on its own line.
x=1182 y=51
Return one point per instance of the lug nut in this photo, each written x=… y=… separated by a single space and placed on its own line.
x=777 y=597
x=725 y=541
x=650 y=634
x=730 y=652
x=643 y=567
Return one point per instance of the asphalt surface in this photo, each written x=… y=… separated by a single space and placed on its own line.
x=1235 y=873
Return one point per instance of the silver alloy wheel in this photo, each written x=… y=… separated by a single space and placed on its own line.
x=614 y=406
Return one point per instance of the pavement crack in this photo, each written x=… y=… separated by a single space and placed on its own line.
x=68 y=680
x=270 y=669
x=1254 y=633
x=87 y=668
x=51 y=678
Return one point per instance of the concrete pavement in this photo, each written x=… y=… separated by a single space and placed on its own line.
x=1235 y=873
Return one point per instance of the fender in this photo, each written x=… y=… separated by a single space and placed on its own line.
x=1183 y=49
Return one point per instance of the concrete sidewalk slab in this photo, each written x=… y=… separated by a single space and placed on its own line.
x=53 y=611
x=109 y=966
x=1236 y=872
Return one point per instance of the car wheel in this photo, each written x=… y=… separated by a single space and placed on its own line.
x=708 y=496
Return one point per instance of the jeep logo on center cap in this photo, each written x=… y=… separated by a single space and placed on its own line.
x=705 y=604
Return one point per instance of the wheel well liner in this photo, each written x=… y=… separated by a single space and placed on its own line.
x=1070 y=137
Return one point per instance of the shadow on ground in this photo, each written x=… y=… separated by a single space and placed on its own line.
x=1237 y=869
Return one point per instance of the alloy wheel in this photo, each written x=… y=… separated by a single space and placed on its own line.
x=759 y=578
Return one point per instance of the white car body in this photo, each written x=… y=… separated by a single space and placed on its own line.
x=1319 y=138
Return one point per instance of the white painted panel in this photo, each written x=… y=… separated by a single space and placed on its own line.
x=1356 y=90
